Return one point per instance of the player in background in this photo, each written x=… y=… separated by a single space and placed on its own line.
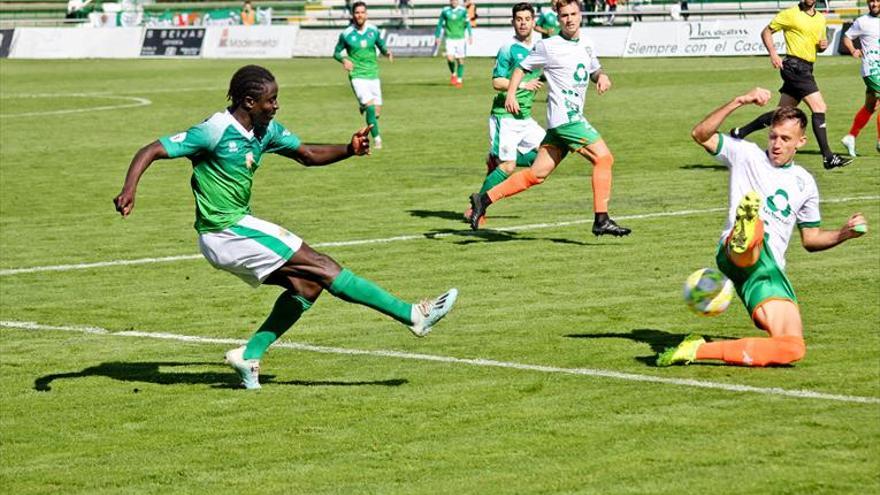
x=569 y=64
x=513 y=139
x=804 y=30
x=456 y=28
x=360 y=41
x=547 y=22
x=867 y=30
x=768 y=195
x=225 y=152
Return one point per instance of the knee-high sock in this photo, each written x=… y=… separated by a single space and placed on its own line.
x=818 y=121
x=351 y=288
x=859 y=121
x=755 y=351
x=526 y=159
x=602 y=183
x=760 y=123
x=451 y=64
x=514 y=184
x=459 y=71
x=288 y=308
x=372 y=119
x=496 y=177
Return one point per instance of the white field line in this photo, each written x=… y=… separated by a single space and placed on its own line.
x=359 y=242
x=490 y=363
x=133 y=101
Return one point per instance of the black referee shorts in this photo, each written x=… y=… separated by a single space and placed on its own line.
x=797 y=78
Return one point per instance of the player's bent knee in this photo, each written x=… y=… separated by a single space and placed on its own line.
x=606 y=160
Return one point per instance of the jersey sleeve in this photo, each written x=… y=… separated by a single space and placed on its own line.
x=730 y=150
x=380 y=43
x=502 y=63
x=280 y=139
x=595 y=65
x=781 y=21
x=537 y=59
x=191 y=142
x=855 y=30
x=808 y=216
x=340 y=47
x=438 y=32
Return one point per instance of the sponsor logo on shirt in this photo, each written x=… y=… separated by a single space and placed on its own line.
x=249 y=160
x=233 y=147
x=778 y=205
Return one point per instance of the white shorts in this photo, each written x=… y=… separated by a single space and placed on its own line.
x=251 y=249
x=367 y=90
x=456 y=48
x=508 y=135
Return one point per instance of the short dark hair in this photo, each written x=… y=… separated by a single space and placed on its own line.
x=357 y=4
x=789 y=113
x=250 y=80
x=563 y=3
x=523 y=6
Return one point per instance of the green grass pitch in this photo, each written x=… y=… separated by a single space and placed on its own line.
x=128 y=414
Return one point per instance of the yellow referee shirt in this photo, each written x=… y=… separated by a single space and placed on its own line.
x=801 y=31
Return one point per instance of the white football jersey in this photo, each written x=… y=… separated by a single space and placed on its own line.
x=567 y=65
x=789 y=195
x=867 y=29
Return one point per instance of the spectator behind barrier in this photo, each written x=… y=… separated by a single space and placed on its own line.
x=248 y=14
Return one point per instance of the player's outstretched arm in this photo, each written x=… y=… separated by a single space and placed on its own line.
x=145 y=157
x=316 y=155
x=706 y=132
x=816 y=239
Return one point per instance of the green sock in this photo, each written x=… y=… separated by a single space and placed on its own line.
x=460 y=70
x=288 y=308
x=496 y=177
x=451 y=64
x=349 y=287
x=526 y=160
x=372 y=119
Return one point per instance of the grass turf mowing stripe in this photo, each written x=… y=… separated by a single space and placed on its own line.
x=514 y=228
x=729 y=387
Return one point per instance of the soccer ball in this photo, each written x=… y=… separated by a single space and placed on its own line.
x=708 y=292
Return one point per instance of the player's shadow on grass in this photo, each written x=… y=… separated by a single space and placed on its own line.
x=447 y=214
x=703 y=166
x=657 y=339
x=489 y=235
x=150 y=372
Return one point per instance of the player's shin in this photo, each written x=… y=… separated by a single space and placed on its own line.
x=601 y=182
x=351 y=288
x=859 y=121
x=372 y=119
x=755 y=351
x=762 y=122
x=459 y=71
x=287 y=310
x=514 y=184
x=493 y=179
x=818 y=121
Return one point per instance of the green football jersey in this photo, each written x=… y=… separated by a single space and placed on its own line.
x=454 y=22
x=508 y=58
x=550 y=22
x=361 y=48
x=224 y=157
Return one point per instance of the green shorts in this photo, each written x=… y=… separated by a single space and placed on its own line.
x=758 y=283
x=873 y=83
x=572 y=136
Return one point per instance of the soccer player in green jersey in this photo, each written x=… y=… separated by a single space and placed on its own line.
x=513 y=138
x=548 y=22
x=455 y=25
x=225 y=152
x=360 y=41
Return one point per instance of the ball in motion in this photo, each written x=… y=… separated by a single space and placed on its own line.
x=708 y=292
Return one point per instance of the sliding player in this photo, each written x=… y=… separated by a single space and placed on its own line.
x=769 y=195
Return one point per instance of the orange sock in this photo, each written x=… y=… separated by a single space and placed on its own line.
x=755 y=351
x=602 y=182
x=514 y=184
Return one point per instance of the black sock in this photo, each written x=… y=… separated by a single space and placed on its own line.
x=600 y=217
x=756 y=125
x=818 y=120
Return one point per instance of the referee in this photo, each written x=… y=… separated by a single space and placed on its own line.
x=804 y=31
